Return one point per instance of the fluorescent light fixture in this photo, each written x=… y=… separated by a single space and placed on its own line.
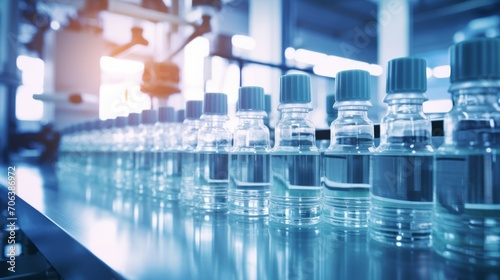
x=375 y=69
x=330 y=65
x=322 y=70
x=309 y=57
x=437 y=106
x=117 y=65
x=289 y=53
x=243 y=42
x=428 y=72
x=442 y=71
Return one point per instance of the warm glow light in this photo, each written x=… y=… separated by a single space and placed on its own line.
x=243 y=42
x=111 y=64
x=55 y=25
x=442 y=71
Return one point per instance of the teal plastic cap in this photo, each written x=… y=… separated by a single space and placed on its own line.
x=407 y=75
x=194 y=109
x=251 y=99
x=295 y=88
x=476 y=59
x=215 y=104
x=353 y=85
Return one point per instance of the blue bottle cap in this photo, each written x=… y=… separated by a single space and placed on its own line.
x=99 y=124
x=330 y=100
x=251 y=98
x=268 y=103
x=194 y=109
x=215 y=103
x=90 y=125
x=295 y=88
x=180 y=115
x=166 y=114
x=121 y=122
x=353 y=85
x=149 y=116
x=476 y=59
x=134 y=119
x=109 y=123
x=407 y=75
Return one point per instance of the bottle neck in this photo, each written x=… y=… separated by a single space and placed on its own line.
x=352 y=131
x=405 y=126
x=474 y=119
x=475 y=97
x=294 y=131
x=294 y=110
x=251 y=134
x=214 y=120
x=352 y=111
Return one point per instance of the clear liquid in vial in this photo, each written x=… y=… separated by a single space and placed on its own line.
x=211 y=181
x=467 y=214
x=296 y=189
x=402 y=195
x=249 y=184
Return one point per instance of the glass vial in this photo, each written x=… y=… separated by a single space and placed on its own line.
x=250 y=161
x=145 y=152
x=192 y=124
x=401 y=167
x=346 y=162
x=211 y=155
x=467 y=166
x=162 y=169
x=296 y=190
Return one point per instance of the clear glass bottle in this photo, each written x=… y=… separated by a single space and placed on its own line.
x=401 y=167
x=90 y=147
x=192 y=124
x=117 y=150
x=128 y=155
x=295 y=197
x=250 y=160
x=162 y=166
x=346 y=162
x=145 y=152
x=211 y=155
x=466 y=225
x=105 y=150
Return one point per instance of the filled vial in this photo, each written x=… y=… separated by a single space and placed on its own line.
x=346 y=162
x=250 y=159
x=401 y=170
x=296 y=161
x=192 y=124
x=466 y=225
x=212 y=155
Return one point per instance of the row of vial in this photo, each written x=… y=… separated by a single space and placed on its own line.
x=405 y=193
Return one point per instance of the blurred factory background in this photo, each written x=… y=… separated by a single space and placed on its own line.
x=65 y=61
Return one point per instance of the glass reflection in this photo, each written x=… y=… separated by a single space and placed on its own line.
x=389 y=262
x=344 y=253
x=249 y=246
x=294 y=252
